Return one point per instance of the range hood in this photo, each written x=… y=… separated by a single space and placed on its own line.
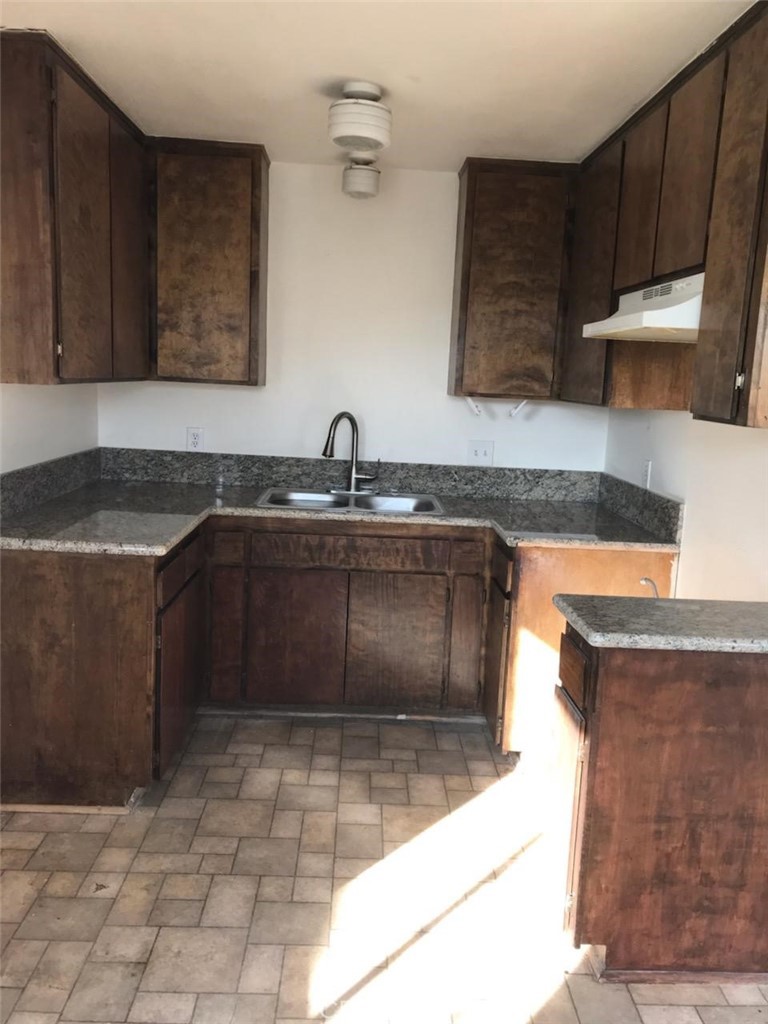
x=666 y=312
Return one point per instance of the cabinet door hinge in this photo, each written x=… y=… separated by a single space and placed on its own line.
x=59 y=349
x=159 y=641
x=741 y=380
x=479 y=690
x=570 y=899
x=582 y=751
x=506 y=617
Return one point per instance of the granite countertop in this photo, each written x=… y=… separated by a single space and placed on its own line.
x=666 y=624
x=151 y=518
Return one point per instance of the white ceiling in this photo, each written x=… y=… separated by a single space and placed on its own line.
x=532 y=80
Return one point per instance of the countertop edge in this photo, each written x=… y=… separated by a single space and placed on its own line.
x=653 y=641
x=511 y=539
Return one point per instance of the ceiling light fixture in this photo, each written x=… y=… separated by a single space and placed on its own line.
x=361 y=124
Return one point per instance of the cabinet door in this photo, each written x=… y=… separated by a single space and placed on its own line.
x=466 y=642
x=396 y=639
x=739 y=192
x=27 y=310
x=689 y=167
x=297 y=631
x=83 y=229
x=639 y=209
x=591 y=283
x=496 y=648
x=130 y=256
x=509 y=266
x=180 y=670
x=211 y=223
x=227 y=633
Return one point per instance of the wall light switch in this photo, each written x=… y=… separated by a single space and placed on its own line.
x=195 y=438
x=480 y=453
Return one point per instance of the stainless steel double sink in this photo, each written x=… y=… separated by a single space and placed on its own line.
x=326 y=501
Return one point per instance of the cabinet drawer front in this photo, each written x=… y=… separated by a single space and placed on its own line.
x=574 y=671
x=228 y=546
x=468 y=556
x=375 y=553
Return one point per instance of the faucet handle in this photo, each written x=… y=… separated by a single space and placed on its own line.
x=370 y=476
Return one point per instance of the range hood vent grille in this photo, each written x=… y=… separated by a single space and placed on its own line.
x=657 y=291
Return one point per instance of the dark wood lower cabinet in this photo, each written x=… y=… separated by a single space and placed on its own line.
x=334 y=614
x=297 y=631
x=227 y=611
x=396 y=645
x=670 y=838
x=180 y=669
x=77 y=666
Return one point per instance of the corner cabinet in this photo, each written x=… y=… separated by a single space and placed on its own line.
x=74 y=208
x=211 y=205
x=337 y=614
x=510 y=278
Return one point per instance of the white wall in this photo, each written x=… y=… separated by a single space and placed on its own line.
x=359 y=318
x=44 y=422
x=721 y=472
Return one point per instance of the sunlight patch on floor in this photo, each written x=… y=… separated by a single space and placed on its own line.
x=465 y=918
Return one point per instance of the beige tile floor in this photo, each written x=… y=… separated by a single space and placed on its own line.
x=286 y=871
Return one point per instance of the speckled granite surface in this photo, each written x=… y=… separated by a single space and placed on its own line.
x=150 y=518
x=648 y=509
x=638 y=622
x=249 y=470
x=23 y=488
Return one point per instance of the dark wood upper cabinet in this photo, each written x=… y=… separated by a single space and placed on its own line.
x=75 y=259
x=639 y=207
x=509 y=278
x=211 y=261
x=130 y=255
x=591 y=281
x=732 y=333
x=81 y=140
x=27 y=309
x=689 y=164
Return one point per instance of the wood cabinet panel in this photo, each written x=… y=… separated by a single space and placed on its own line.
x=77 y=650
x=639 y=205
x=573 y=671
x=689 y=167
x=685 y=840
x=297 y=632
x=27 y=310
x=468 y=556
x=739 y=193
x=496 y=658
x=650 y=375
x=510 y=265
x=81 y=139
x=396 y=639
x=537 y=625
x=465 y=642
x=228 y=546
x=211 y=209
x=179 y=672
x=227 y=632
x=317 y=551
x=591 y=280
x=130 y=255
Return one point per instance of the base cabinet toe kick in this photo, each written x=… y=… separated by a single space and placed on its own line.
x=105 y=658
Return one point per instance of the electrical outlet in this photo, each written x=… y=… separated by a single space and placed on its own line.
x=195 y=438
x=480 y=453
